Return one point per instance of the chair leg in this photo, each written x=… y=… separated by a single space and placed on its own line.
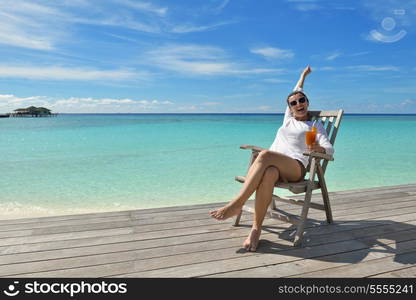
x=253 y=157
x=237 y=218
x=273 y=204
x=325 y=195
x=305 y=209
x=301 y=226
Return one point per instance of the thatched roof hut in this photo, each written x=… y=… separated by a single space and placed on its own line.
x=32 y=111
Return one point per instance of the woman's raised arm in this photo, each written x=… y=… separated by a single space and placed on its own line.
x=301 y=80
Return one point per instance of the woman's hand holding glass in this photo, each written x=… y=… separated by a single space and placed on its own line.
x=317 y=148
x=310 y=139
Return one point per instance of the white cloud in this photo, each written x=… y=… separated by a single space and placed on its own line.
x=29 y=25
x=312 y=5
x=221 y=6
x=65 y=73
x=326 y=69
x=273 y=53
x=199 y=60
x=236 y=96
x=210 y=103
x=118 y=21
x=330 y=56
x=144 y=6
x=188 y=108
x=264 y=108
x=188 y=28
x=360 y=53
x=305 y=5
x=276 y=80
x=11 y=35
x=8 y=103
x=405 y=89
x=333 y=56
x=344 y=8
x=302 y=1
x=370 y=68
x=407 y=102
x=44 y=25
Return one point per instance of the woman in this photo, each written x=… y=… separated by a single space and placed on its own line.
x=283 y=161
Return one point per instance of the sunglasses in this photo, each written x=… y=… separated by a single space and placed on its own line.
x=294 y=102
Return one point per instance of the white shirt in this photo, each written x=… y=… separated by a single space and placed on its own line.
x=290 y=138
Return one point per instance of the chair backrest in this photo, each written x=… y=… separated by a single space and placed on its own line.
x=331 y=120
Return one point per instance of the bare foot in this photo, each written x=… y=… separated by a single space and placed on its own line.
x=252 y=241
x=228 y=211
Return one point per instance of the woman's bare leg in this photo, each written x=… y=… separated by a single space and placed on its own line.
x=263 y=198
x=287 y=166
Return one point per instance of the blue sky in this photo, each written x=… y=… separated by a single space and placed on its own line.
x=205 y=56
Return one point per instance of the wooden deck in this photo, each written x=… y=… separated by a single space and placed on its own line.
x=374 y=235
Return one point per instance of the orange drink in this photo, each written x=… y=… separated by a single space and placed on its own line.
x=310 y=137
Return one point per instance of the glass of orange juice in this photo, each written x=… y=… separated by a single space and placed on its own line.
x=311 y=137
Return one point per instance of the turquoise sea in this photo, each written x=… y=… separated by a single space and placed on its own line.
x=83 y=163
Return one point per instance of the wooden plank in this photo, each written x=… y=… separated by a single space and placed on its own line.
x=139 y=265
x=370 y=267
x=132 y=214
x=162 y=261
x=305 y=208
x=402 y=187
x=373 y=211
x=48 y=274
x=336 y=127
x=113 y=213
x=299 y=268
x=324 y=113
x=298 y=202
x=247 y=262
x=284 y=216
x=151 y=245
x=156 y=219
x=345 y=233
x=325 y=197
x=176 y=232
x=376 y=190
x=113 y=244
x=329 y=125
x=406 y=272
x=243 y=262
x=69 y=232
x=159 y=217
x=395 y=243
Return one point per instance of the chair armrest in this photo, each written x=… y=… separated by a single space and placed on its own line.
x=253 y=148
x=319 y=155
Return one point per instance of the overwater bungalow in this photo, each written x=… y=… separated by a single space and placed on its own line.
x=32 y=111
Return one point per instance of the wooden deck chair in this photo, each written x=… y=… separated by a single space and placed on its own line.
x=317 y=165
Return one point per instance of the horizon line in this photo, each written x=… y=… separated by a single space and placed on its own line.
x=222 y=113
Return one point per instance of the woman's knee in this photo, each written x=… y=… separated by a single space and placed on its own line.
x=264 y=156
x=271 y=174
